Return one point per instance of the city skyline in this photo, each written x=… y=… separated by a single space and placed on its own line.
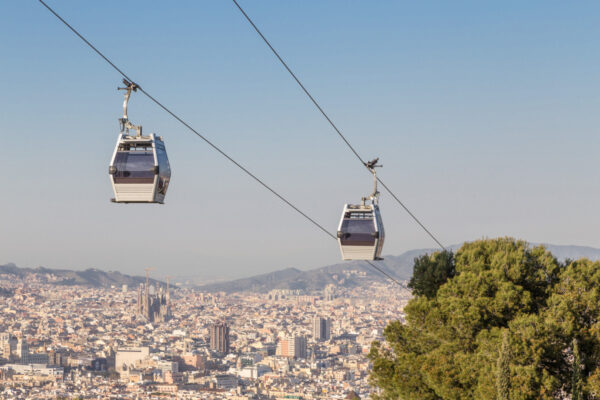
x=73 y=340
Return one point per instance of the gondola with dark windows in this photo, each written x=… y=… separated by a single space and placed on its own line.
x=360 y=232
x=139 y=169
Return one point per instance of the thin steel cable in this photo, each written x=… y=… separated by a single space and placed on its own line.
x=385 y=273
x=332 y=124
x=215 y=147
x=186 y=124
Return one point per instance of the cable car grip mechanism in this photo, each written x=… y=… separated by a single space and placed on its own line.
x=371 y=165
x=124 y=122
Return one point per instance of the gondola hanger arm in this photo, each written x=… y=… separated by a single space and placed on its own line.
x=126 y=125
x=371 y=165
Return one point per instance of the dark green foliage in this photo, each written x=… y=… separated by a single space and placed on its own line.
x=430 y=272
x=451 y=346
x=503 y=369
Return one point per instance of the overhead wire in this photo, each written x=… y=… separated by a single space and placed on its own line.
x=334 y=126
x=207 y=141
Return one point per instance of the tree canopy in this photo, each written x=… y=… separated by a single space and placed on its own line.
x=450 y=345
x=430 y=272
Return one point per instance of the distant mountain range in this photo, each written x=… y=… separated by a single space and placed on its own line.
x=347 y=274
x=357 y=273
x=90 y=277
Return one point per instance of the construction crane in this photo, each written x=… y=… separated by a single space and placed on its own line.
x=148 y=270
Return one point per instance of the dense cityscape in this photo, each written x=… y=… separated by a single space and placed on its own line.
x=156 y=341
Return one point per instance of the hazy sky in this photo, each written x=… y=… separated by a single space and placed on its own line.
x=485 y=117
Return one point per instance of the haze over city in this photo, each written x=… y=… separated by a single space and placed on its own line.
x=483 y=116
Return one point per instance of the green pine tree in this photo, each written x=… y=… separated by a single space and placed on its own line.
x=449 y=345
x=431 y=271
x=502 y=369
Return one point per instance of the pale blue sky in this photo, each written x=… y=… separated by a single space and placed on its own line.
x=484 y=116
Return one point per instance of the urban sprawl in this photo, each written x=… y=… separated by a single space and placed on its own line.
x=156 y=341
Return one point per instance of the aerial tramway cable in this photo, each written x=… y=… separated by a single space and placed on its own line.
x=215 y=147
x=312 y=99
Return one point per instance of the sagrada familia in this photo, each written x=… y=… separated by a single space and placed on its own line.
x=154 y=307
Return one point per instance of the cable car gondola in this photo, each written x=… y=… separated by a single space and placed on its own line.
x=139 y=169
x=360 y=232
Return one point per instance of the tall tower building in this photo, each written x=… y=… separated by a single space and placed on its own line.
x=293 y=347
x=219 y=337
x=321 y=328
x=299 y=347
x=154 y=307
x=22 y=351
x=329 y=293
x=8 y=345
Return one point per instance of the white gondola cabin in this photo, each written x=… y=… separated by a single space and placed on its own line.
x=360 y=232
x=139 y=169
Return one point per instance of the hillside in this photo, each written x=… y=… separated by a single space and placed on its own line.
x=346 y=274
x=91 y=277
x=400 y=267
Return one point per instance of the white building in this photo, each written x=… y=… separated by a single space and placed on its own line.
x=253 y=372
x=126 y=358
x=34 y=369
